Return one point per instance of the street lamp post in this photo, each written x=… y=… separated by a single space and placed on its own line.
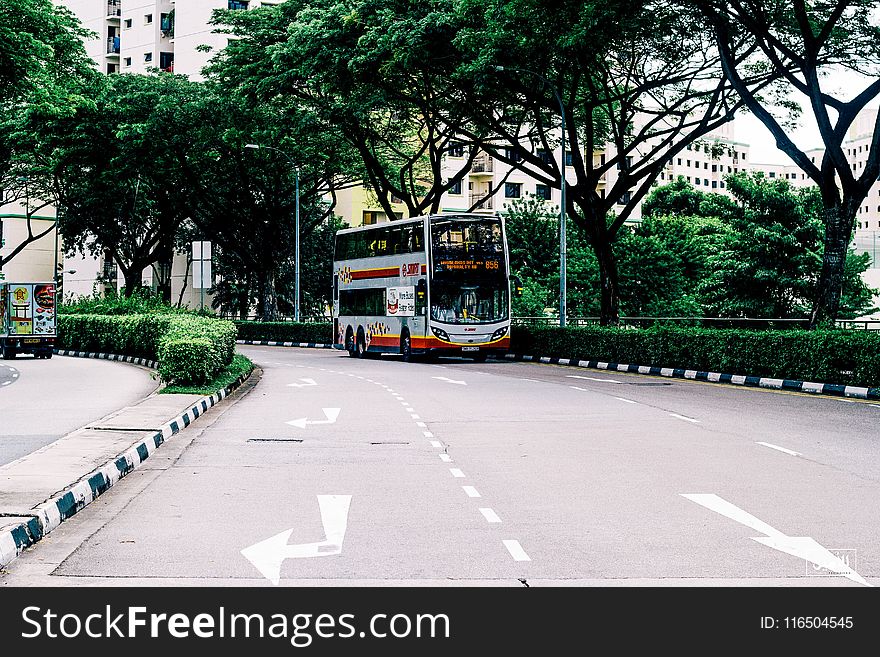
x=562 y=213
x=296 y=250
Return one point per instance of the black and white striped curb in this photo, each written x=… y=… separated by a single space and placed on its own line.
x=93 y=354
x=712 y=377
x=271 y=343
x=51 y=513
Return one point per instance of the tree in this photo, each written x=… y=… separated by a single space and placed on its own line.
x=44 y=70
x=373 y=72
x=531 y=236
x=806 y=43
x=117 y=185
x=639 y=77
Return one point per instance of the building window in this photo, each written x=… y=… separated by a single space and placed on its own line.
x=772 y=174
x=696 y=181
x=148 y=56
x=512 y=190
x=625 y=198
x=111 y=68
x=714 y=184
x=148 y=19
x=679 y=161
x=721 y=184
x=705 y=165
x=456 y=149
x=512 y=155
x=127 y=23
x=542 y=192
x=688 y=162
x=714 y=168
x=166 y=61
x=688 y=178
x=238 y=4
x=456 y=188
x=569 y=158
x=706 y=182
x=127 y=61
x=545 y=156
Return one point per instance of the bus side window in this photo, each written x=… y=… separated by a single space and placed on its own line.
x=421 y=296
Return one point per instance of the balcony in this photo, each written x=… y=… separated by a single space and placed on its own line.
x=113 y=46
x=482 y=164
x=479 y=202
x=114 y=9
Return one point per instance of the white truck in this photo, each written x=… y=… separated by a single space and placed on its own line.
x=27 y=319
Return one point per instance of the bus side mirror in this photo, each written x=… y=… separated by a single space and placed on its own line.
x=517 y=286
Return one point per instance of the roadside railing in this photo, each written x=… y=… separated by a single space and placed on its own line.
x=706 y=322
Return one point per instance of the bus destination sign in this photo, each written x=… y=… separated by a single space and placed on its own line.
x=481 y=264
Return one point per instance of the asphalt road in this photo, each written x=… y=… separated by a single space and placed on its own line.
x=43 y=400
x=498 y=473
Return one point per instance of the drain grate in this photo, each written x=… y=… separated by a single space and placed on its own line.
x=274 y=440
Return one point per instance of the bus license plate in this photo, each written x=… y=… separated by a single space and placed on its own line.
x=31 y=341
x=470 y=348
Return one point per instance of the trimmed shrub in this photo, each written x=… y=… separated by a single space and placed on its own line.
x=319 y=332
x=826 y=356
x=190 y=349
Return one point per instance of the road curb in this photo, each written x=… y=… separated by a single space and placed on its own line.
x=50 y=514
x=152 y=364
x=833 y=389
x=271 y=343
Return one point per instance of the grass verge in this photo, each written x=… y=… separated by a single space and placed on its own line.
x=239 y=366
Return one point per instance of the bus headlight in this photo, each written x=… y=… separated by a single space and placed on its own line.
x=440 y=333
x=500 y=333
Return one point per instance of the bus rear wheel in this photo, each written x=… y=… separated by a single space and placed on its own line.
x=361 y=346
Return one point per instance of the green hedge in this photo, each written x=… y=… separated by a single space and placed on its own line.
x=847 y=357
x=319 y=332
x=190 y=349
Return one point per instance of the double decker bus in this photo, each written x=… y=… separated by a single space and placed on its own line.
x=432 y=285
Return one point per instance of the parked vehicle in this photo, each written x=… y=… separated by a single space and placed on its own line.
x=29 y=321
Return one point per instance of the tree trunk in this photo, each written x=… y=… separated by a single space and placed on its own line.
x=134 y=278
x=270 y=299
x=838 y=232
x=609 y=310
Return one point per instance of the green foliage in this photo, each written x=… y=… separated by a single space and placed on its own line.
x=190 y=349
x=317 y=332
x=825 y=356
x=239 y=368
x=142 y=302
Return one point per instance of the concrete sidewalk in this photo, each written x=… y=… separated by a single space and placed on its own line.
x=42 y=489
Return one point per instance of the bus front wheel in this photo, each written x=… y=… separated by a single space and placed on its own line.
x=406 y=348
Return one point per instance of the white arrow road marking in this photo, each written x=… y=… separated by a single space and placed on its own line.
x=803 y=547
x=267 y=556
x=590 y=378
x=443 y=378
x=305 y=383
x=330 y=413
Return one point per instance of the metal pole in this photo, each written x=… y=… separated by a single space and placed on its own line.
x=296 y=285
x=202 y=275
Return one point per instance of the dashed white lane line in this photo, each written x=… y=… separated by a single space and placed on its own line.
x=685 y=418
x=456 y=472
x=436 y=444
x=532 y=380
x=628 y=401
x=471 y=491
x=446 y=458
x=15 y=376
x=422 y=425
x=516 y=550
x=427 y=434
x=591 y=378
x=414 y=416
x=6 y=383
x=777 y=447
x=581 y=389
x=490 y=515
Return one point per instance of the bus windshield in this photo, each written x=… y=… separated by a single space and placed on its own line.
x=478 y=303
x=468 y=271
